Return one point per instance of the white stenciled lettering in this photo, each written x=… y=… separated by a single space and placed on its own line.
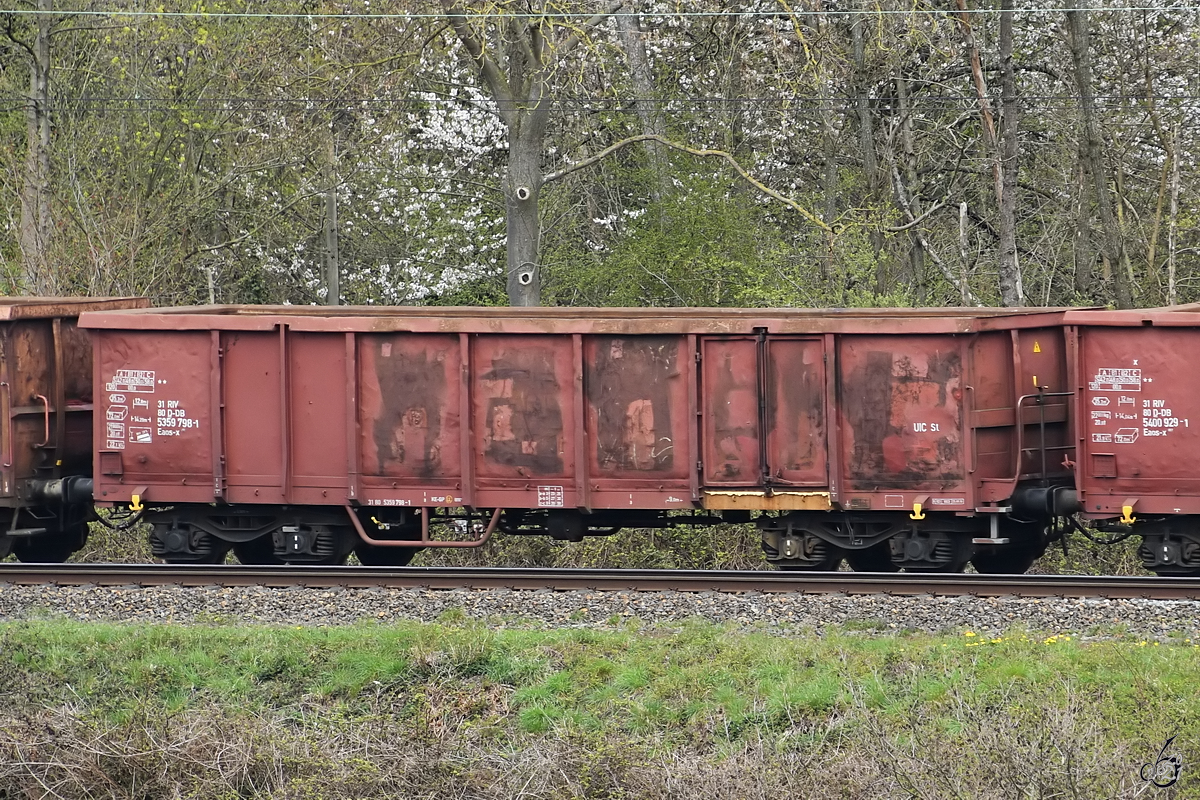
x=1115 y=379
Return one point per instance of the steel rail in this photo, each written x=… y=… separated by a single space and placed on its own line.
x=625 y=580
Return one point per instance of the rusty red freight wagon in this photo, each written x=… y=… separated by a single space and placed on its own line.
x=1138 y=428
x=893 y=438
x=46 y=438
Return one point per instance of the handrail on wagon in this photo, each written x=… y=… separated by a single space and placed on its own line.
x=46 y=413
x=424 y=541
x=1020 y=424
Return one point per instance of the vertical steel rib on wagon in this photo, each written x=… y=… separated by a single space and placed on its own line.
x=895 y=438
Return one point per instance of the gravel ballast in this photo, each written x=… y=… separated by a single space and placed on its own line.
x=782 y=613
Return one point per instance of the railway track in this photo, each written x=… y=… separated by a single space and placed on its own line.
x=627 y=580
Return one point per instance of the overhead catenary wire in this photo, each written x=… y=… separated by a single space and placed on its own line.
x=573 y=15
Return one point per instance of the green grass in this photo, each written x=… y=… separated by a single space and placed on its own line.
x=615 y=713
x=593 y=680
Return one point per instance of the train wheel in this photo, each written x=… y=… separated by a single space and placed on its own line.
x=1170 y=555
x=372 y=556
x=934 y=551
x=181 y=544
x=1002 y=561
x=257 y=552
x=873 y=559
x=217 y=556
x=1029 y=543
x=51 y=548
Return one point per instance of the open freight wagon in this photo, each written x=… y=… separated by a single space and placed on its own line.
x=1138 y=428
x=46 y=434
x=894 y=438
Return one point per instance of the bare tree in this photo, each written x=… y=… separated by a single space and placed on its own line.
x=1012 y=290
x=642 y=80
x=35 y=225
x=1092 y=157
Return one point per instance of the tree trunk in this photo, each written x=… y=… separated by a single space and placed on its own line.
x=521 y=100
x=916 y=253
x=35 y=190
x=866 y=141
x=333 y=288
x=522 y=191
x=642 y=79
x=1085 y=287
x=1093 y=157
x=829 y=258
x=1173 y=220
x=1012 y=292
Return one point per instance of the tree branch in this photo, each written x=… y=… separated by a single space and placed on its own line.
x=963 y=286
x=706 y=153
x=914 y=222
x=591 y=23
x=487 y=67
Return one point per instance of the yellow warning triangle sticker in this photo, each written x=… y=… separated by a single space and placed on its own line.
x=1037 y=348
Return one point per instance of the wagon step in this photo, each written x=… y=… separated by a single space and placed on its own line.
x=24 y=532
x=995 y=537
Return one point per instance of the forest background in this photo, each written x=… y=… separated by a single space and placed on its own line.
x=646 y=153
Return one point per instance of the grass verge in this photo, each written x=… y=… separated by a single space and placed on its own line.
x=458 y=709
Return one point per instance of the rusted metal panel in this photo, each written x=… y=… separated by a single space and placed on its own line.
x=524 y=424
x=795 y=411
x=764 y=413
x=1139 y=424
x=253 y=428
x=409 y=390
x=901 y=409
x=155 y=394
x=730 y=397
x=637 y=407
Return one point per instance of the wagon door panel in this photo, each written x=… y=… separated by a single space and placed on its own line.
x=764 y=411
x=637 y=408
x=410 y=390
x=901 y=412
x=795 y=405
x=253 y=431
x=316 y=415
x=731 y=432
x=523 y=398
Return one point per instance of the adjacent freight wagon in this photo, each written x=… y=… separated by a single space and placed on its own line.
x=1138 y=428
x=918 y=439
x=46 y=424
